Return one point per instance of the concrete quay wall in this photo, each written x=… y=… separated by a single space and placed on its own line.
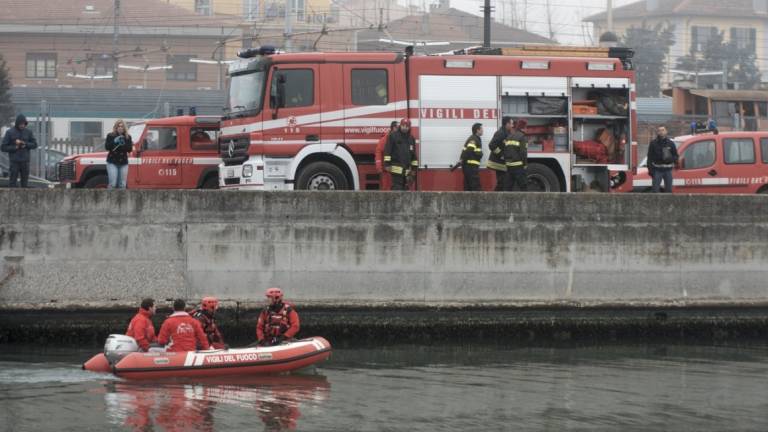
x=344 y=248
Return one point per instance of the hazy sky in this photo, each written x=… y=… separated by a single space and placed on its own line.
x=566 y=15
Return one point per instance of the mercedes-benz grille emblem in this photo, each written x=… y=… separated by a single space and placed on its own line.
x=231 y=148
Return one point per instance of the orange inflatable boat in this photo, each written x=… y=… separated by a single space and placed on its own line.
x=127 y=363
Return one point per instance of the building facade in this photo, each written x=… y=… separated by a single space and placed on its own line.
x=695 y=22
x=149 y=45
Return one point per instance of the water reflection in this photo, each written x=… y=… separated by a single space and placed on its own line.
x=183 y=406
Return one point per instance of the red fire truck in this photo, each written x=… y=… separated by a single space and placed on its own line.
x=169 y=153
x=312 y=120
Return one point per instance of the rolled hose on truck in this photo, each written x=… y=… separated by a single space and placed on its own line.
x=124 y=360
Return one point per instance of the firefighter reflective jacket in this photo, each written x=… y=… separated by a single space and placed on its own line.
x=279 y=321
x=400 y=153
x=496 y=158
x=472 y=153
x=516 y=150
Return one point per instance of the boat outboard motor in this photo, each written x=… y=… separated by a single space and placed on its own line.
x=118 y=346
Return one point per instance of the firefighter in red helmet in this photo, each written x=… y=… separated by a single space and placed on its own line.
x=278 y=321
x=400 y=155
x=206 y=314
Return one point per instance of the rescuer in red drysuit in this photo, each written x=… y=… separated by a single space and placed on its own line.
x=141 y=327
x=206 y=315
x=181 y=332
x=278 y=321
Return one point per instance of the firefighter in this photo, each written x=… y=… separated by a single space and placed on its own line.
x=471 y=156
x=386 y=181
x=141 y=327
x=180 y=332
x=496 y=157
x=516 y=158
x=278 y=321
x=400 y=155
x=206 y=315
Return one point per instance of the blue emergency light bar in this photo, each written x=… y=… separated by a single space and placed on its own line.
x=260 y=51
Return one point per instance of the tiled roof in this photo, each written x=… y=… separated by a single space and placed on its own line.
x=445 y=24
x=714 y=8
x=145 y=13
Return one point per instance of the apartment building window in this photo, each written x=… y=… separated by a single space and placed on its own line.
x=41 y=65
x=299 y=9
x=182 y=70
x=744 y=38
x=700 y=36
x=99 y=64
x=86 y=132
x=203 y=7
x=251 y=10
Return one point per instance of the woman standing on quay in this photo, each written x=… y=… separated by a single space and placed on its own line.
x=119 y=145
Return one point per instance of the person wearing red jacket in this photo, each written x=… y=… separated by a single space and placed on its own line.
x=141 y=327
x=180 y=332
x=278 y=321
x=206 y=314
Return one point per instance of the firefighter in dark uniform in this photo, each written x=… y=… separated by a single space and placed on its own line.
x=400 y=155
x=496 y=158
x=516 y=158
x=471 y=156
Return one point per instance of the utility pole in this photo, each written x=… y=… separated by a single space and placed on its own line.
x=288 y=24
x=115 y=41
x=487 y=24
x=610 y=16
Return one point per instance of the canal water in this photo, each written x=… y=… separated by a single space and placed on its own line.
x=409 y=388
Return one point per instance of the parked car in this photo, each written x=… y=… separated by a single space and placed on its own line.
x=168 y=153
x=729 y=162
x=34 y=182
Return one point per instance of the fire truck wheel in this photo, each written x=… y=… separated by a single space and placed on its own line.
x=210 y=183
x=98 y=181
x=321 y=176
x=542 y=179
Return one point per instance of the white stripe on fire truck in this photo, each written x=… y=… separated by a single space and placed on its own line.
x=722 y=181
x=157 y=160
x=317 y=117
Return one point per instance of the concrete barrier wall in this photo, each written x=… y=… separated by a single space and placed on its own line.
x=101 y=246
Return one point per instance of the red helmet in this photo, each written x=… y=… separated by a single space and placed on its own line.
x=275 y=293
x=405 y=122
x=209 y=304
x=521 y=123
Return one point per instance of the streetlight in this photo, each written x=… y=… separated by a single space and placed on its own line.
x=218 y=63
x=145 y=69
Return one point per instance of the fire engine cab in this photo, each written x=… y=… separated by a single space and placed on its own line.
x=168 y=153
x=728 y=162
x=312 y=120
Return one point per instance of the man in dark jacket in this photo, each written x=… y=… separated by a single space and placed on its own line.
x=471 y=155
x=496 y=158
x=662 y=156
x=400 y=155
x=516 y=158
x=17 y=142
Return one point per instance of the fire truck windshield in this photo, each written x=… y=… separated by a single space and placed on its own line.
x=245 y=93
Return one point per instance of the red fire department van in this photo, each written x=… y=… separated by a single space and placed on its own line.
x=729 y=162
x=169 y=153
x=312 y=120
